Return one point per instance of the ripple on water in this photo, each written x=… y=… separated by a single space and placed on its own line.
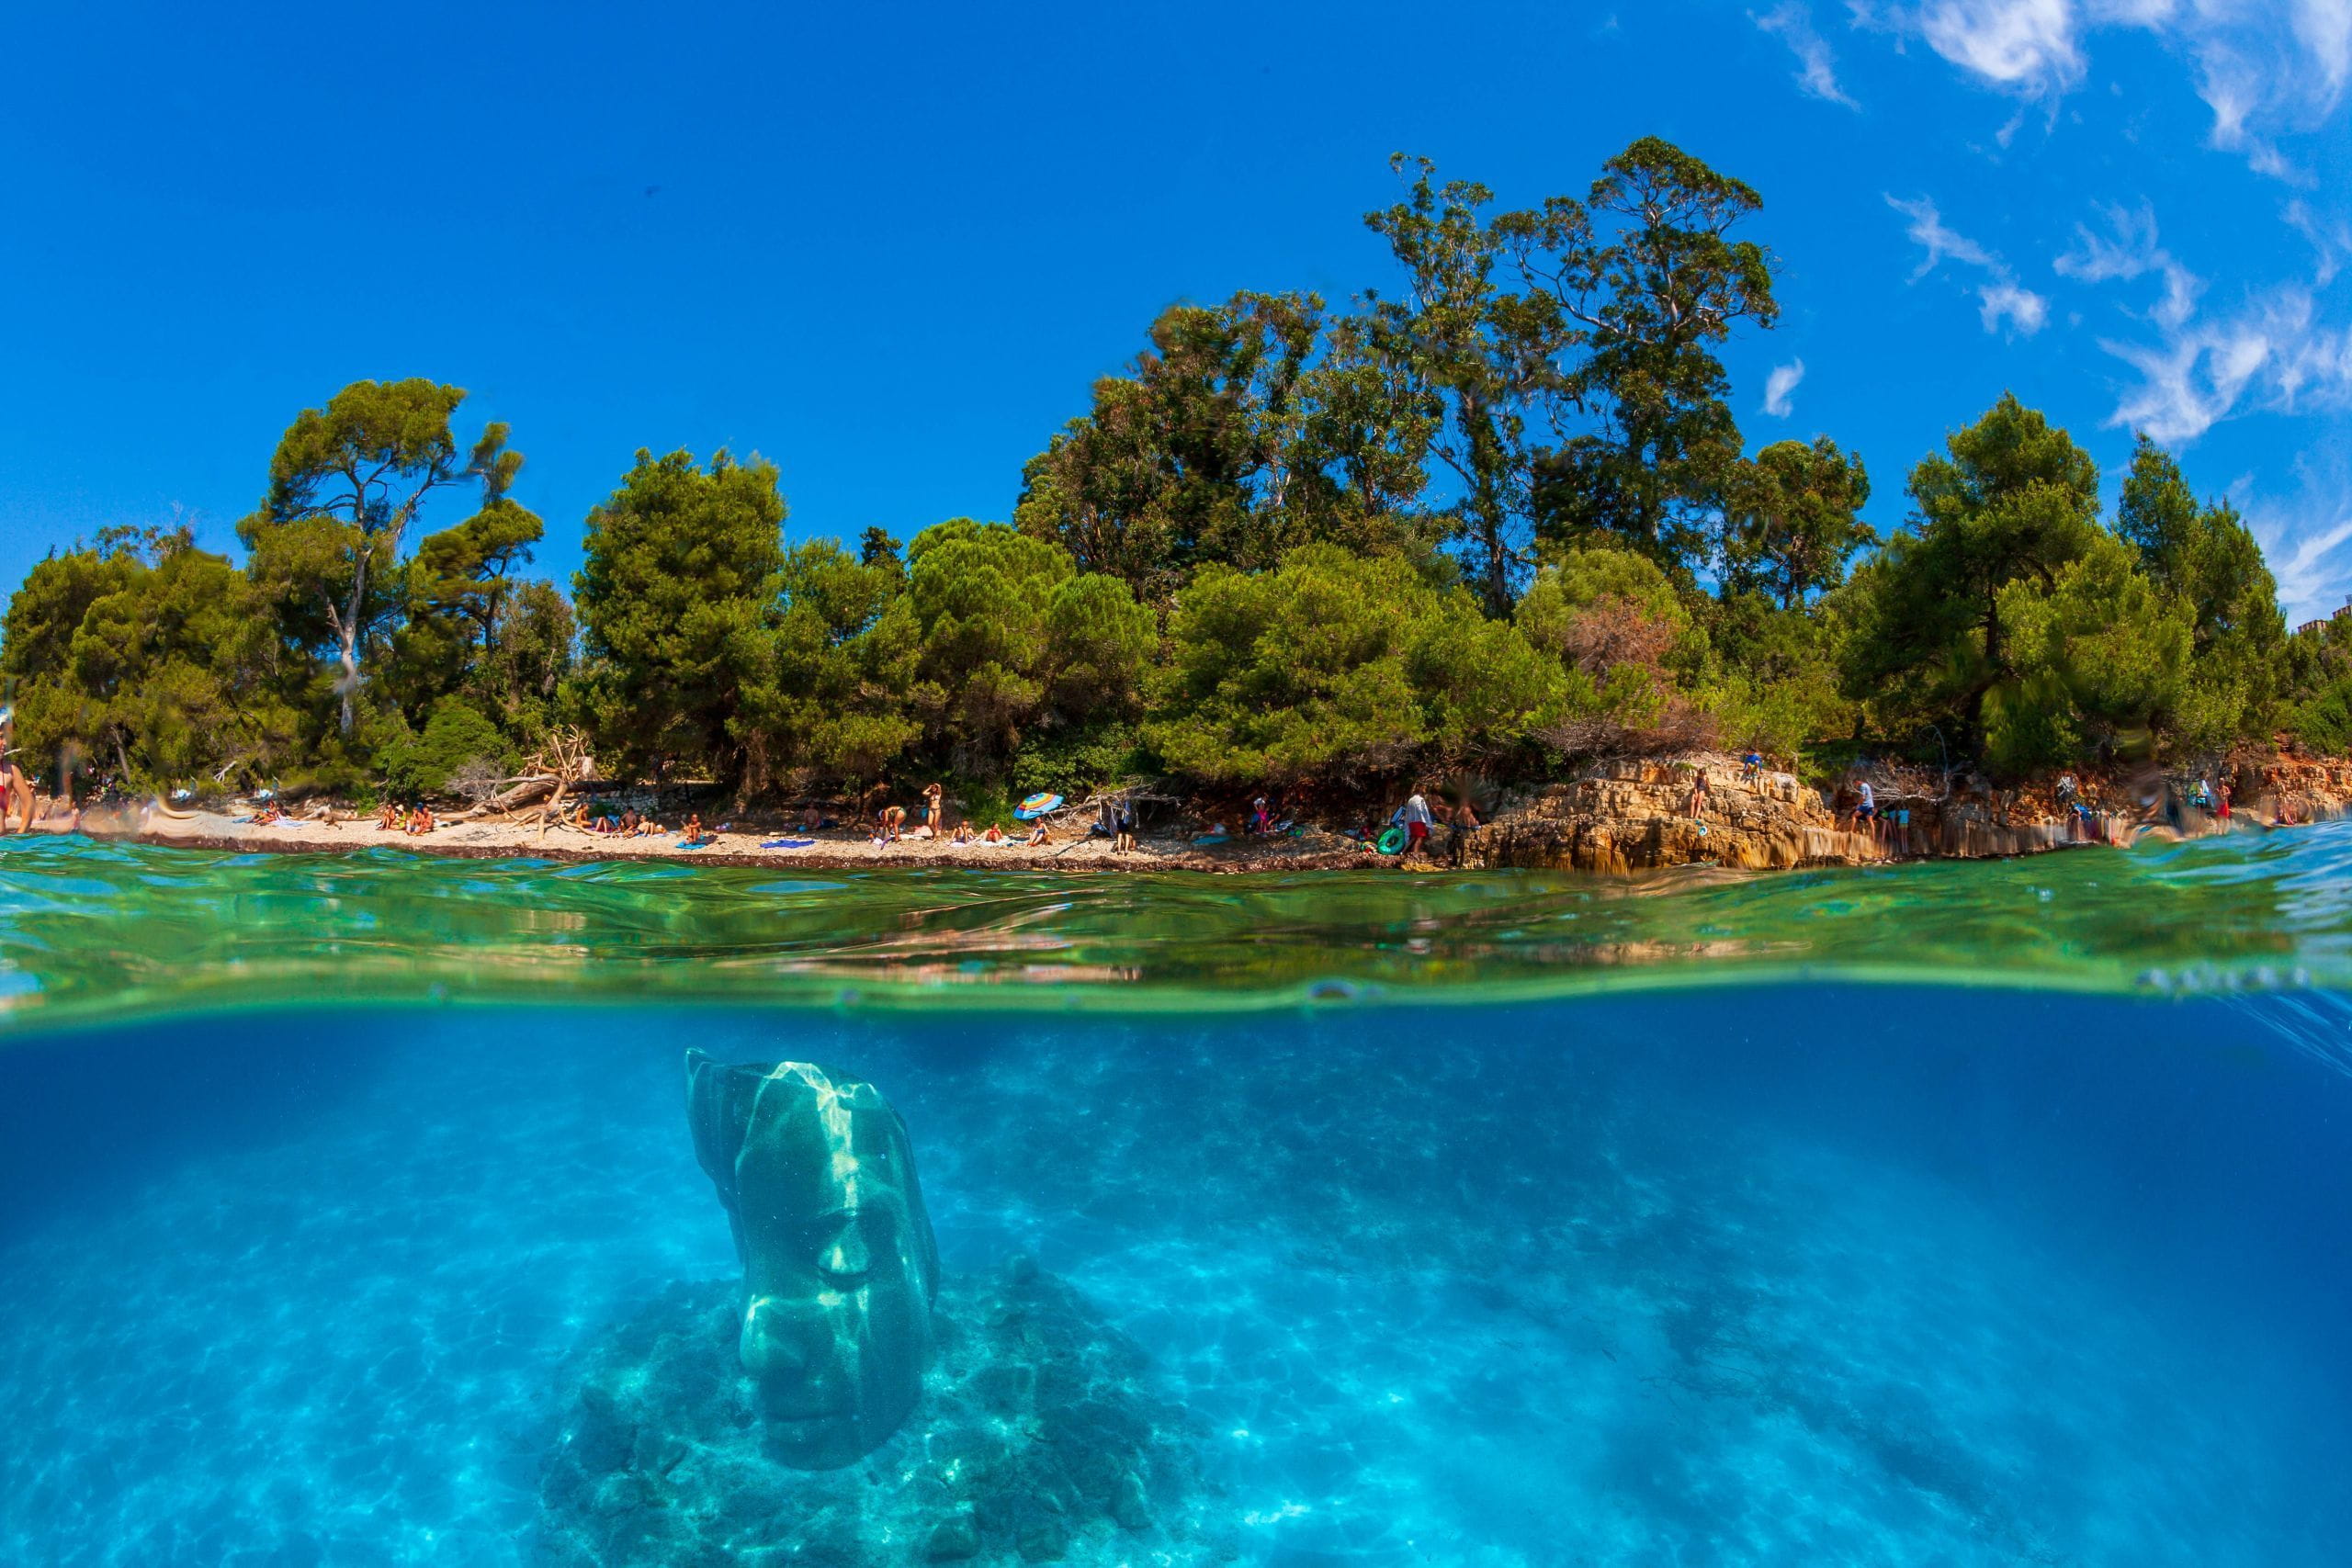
x=104 y=926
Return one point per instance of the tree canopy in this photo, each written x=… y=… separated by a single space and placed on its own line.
x=1493 y=509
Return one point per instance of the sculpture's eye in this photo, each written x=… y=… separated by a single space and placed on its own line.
x=844 y=1258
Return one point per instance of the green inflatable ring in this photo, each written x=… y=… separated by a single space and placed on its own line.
x=1392 y=842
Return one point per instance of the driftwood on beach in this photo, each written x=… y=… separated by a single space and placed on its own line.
x=524 y=791
x=551 y=770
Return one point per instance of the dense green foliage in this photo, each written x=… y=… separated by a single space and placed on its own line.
x=1493 y=514
x=683 y=566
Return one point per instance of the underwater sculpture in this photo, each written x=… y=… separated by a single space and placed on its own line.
x=839 y=1264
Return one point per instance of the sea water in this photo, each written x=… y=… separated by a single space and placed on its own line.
x=1950 y=1214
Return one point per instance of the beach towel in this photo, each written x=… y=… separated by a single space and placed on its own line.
x=786 y=843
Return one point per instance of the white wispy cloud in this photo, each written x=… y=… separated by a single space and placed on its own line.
x=1779 y=385
x=2325 y=29
x=2129 y=251
x=2027 y=312
x=2263 y=67
x=2003 y=298
x=2023 y=46
x=1791 y=22
x=2330 y=240
x=2270 y=353
x=1926 y=229
x=2306 y=538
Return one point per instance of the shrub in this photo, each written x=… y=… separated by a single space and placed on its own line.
x=453 y=737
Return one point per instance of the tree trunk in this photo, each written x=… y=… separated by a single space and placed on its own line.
x=350 y=638
x=350 y=681
x=522 y=794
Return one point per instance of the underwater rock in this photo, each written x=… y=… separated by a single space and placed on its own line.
x=818 y=1183
x=1038 y=1439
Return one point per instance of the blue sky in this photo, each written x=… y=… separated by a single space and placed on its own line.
x=890 y=247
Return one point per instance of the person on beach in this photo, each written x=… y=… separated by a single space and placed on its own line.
x=995 y=835
x=1261 y=817
x=1865 y=809
x=693 y=832
x=963 y=834
x=1698 y=794
x=1039 y=835
x=889 y=825
x=16 y=798
x=2222 y=795
x=1123 y=840
x=15 y=785
x=935 y=816
x=1417 y=817
x=1461 y=822
x=419 y=820
x=1751 y=769
x=387 y=817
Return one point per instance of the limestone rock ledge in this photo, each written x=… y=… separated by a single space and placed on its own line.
x=1038 y=1439
x=1625 y=817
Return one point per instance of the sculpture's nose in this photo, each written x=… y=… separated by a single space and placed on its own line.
x=770 y=1348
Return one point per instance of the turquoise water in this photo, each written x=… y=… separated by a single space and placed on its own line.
x=1986 y=1238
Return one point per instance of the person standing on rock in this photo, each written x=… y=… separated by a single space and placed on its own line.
x=1460 y=823
x=1416 y=827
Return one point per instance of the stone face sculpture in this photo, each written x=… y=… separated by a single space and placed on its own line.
x=839 y=1264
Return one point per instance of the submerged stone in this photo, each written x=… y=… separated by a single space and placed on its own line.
x=815 y=1172
x=1037 y=1438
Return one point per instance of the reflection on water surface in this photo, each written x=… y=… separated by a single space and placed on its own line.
x=90 y=929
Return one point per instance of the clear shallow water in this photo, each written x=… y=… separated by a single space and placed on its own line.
x=91 y=929
x=1807 y=1272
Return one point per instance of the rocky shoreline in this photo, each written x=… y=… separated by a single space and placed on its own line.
x=1614 y=818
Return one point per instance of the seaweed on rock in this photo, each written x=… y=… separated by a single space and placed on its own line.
x=1038 y=1439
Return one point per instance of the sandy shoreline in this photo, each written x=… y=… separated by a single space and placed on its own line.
x=1620 y=818
x=834 y=851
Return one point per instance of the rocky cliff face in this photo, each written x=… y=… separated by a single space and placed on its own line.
x=2293 y=789
x=1623 y=816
